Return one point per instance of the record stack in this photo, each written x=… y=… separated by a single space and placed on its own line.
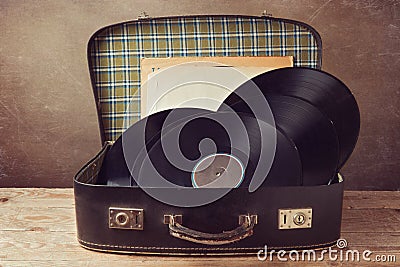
x=314 y=130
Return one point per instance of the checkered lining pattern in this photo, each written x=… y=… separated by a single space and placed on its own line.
x=114 y=54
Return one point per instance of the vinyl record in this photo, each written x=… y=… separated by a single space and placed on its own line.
x=321 y=89
x=199 y=140
x=145 y=133
x=226 y=165
x=310 y=130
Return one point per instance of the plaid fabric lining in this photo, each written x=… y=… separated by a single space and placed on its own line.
x=115 y=54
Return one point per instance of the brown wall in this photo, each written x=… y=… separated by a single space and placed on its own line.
x=48 y=123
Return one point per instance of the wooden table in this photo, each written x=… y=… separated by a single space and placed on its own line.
x=37 y=228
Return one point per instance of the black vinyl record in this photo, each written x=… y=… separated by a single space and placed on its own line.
x=145 y=133
x=196 y=138
x=286 y=168
x=310 y=130
x=319 y=88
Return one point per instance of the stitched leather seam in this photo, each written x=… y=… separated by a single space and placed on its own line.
x=178 y=248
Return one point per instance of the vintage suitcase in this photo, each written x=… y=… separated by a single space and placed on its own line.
x=127 y=219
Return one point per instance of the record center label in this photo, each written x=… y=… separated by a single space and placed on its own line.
x=218 y=171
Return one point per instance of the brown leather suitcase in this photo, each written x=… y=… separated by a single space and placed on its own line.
x=127 y=219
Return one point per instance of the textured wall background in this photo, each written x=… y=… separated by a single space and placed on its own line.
x=48 y=123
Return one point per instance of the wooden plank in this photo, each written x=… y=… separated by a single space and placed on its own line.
x=41 y=218
x=129 y=262
x=371 y=220
x=159 y=262
x=125 y=260
x=38 y=245
x=37 y=228
x=37 y=197
x=373 y=240
x=63 y=247
x=221 y=263
x=371 y=200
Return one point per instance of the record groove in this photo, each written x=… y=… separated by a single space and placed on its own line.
x=330 y=95
x=310 y=130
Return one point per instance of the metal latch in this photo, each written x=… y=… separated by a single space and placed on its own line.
x=125 y=218
x=294 y=218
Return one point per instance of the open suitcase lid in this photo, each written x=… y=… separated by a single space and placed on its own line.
x=114 y=54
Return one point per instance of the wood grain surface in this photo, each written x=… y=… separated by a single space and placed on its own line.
x=48 y=121
x=37 y=228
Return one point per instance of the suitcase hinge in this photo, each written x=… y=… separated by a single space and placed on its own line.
x=143 y=15
x=266 y=14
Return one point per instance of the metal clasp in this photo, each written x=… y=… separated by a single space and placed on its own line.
x=125 y=218
x=294 y=218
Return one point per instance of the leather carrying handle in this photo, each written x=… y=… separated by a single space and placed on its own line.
x=245 y=229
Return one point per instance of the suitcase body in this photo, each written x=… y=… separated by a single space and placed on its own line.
x=127 y=219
